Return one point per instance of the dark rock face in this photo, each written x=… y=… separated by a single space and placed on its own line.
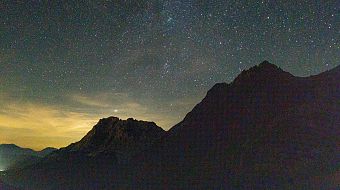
x=97 y=161
x=265 y=130
x=121 y=138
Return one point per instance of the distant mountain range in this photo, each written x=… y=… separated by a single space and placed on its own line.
x=12 y=156
x=266 y=130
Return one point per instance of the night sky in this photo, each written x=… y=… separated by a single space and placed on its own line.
x=66 y=64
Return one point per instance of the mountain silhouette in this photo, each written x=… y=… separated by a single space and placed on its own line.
x=12 y=155
x=99 y=157
x=265 y=130
x=116 y=138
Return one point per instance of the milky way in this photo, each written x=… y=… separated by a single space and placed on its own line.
x=152 y=60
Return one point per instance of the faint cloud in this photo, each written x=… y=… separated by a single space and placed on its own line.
x=124 y=106
x=26 y=123
x=36 y=125
x=87 y=101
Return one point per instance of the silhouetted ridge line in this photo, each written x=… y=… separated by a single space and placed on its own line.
x=116 y=137
x=265 y=72
x=266 y=130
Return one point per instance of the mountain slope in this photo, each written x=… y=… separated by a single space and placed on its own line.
x=265 y=130
x=12 y=155
x=124 y=138
x=96 y=161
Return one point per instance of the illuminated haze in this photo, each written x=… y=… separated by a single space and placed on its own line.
x=64 y=65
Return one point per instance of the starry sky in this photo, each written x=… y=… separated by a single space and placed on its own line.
x=66 y=64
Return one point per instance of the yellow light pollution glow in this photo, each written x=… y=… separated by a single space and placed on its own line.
x=36 y=125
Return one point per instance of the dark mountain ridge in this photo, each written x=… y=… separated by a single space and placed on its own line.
x=266 y=130
x=113 y=136
x=14 y=156
x=15 y=149
x=101 y=155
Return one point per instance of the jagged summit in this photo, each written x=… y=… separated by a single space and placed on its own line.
x=265 y=66
x=264 y=72
x=266 y=63
x=266 y=130
x=117 y=137
x=262 y=75
x=110 y=122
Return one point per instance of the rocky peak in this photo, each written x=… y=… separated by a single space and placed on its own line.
x=106 y=122
x=262 y=73
x=118 y=137
x=266 y=66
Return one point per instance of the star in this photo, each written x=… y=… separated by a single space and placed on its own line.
x=92 y=61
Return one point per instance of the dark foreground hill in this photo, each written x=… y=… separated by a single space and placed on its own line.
x=4 y=186
x=266 y=130
x=12 y=155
